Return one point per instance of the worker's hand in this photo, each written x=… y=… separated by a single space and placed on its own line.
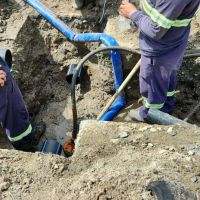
x=127 y=9
x=2 y=78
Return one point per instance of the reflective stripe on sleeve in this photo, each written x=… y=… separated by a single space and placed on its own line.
x=161 y=20
x=22 y=135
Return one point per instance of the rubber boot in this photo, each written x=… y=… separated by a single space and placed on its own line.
x=155 y=116
x=158 y=117
x=134 y=114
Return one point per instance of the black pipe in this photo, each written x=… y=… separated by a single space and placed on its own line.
x=6 y=55
x=190 y=54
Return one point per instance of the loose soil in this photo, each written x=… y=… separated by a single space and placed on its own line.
x=102 y=170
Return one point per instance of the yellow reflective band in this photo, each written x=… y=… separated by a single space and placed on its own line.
x=22 y=135
x=154 y=106
x=170 y=94
x=161 y=20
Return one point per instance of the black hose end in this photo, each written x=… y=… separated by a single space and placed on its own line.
x=6 y=55
x=70 y=73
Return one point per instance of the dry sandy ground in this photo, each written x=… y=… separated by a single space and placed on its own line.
x=111 y=161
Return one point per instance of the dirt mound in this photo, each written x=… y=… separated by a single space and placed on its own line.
x=111 y=161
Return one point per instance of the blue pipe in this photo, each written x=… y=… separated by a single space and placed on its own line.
x=88 y=37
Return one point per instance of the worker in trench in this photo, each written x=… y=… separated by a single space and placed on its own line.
x=164 y=27
x=14 y=117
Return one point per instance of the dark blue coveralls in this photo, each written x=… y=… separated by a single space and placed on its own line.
x=164 y=27
x=14 y=117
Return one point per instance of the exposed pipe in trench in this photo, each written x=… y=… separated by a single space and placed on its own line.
x=88 y=37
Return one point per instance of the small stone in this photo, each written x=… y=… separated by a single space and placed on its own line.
x=182 y=147
x=114 y=141
x=159 y=128
x=153 y=130
x=123 y=135
x=172 y=149
x=173 y=134
x=133 y=126
x=144 y=145
x=163 y=151
x=56 y=166
x=4 y=186
x=189 y=159
x=194 y=179
x=1 y=30
x=191 y=153
x=170 y=130
x=143 y=129
x=150 y=145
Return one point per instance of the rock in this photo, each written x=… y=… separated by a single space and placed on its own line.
x=159 y=128
x=4 y=186
x=143 y=129
x=123 y=135
x=173 y=133
x=153 y=130
x=191 y=153
x=194 y=179
x=172 y=149
x=163 y=151
x=170 y=129
x=114 y=141
x=1 y=30
x=150 y=145
x=56 y=166
x=144 y=145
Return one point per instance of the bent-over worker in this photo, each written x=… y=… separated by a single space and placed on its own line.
x=14 y=117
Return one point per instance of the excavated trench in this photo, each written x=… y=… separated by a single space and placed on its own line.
x=42 y=56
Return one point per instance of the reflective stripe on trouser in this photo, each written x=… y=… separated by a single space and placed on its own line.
x=158 y=81
x=13 y=113
x=21 y=136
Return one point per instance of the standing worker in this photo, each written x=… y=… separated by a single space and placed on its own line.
x=164 y=27
x=14 y=117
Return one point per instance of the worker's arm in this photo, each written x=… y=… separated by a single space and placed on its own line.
x=2 y=78
x=157 y=21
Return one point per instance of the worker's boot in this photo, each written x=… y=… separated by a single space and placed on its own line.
x=37 y=132
x=78 y=4
x=135 y=115
x=30 y=142
x=154 y=116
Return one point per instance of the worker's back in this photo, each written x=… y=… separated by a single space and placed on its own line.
x=170 y=24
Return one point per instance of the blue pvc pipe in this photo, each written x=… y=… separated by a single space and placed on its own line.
x=88 y=37
x=51 y=18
